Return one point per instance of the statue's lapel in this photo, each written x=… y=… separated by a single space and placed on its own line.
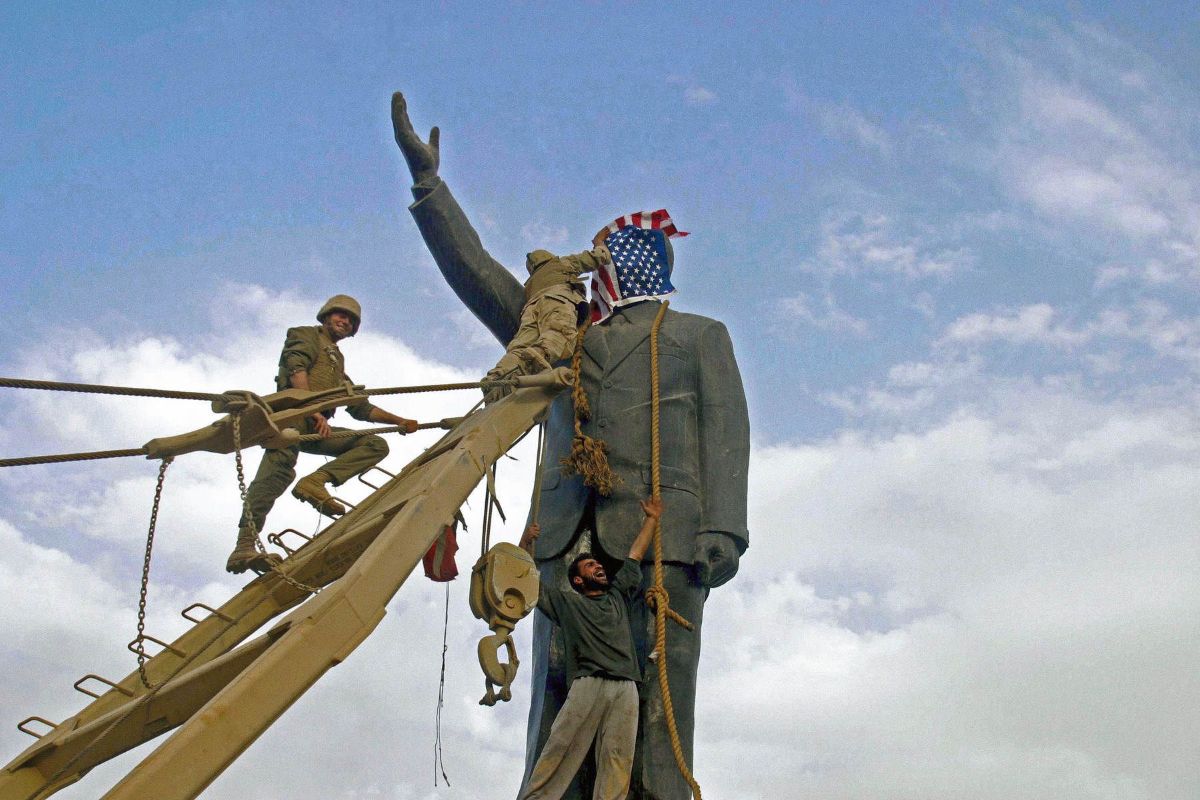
x=628 y=328
x=595 y=345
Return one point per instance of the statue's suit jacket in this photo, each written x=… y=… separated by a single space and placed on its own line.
x=703 y=421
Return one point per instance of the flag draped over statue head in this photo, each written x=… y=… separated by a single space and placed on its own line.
x=640 y=267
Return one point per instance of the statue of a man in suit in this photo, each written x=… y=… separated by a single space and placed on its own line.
x=705 y=452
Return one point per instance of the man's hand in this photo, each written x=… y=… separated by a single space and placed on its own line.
x=422 y=158
x=652 y=507
x=716 y=556
x=600 y=236
x=410 y=426
x=321 y=425
x=530 y=537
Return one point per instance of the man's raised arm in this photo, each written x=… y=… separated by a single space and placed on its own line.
x=492 y=293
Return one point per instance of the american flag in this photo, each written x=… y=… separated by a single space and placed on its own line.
x=639 y=268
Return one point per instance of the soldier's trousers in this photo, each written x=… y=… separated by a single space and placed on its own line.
x=655 y=774
x=353 y=456
x=546 y=335
x=597 y=710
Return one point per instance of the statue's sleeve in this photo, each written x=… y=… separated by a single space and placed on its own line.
x=724 y=427
x=492 y=293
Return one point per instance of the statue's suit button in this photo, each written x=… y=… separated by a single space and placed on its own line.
x=603 y=423
x=607 y=384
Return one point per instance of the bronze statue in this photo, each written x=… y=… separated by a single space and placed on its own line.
x=705 y=454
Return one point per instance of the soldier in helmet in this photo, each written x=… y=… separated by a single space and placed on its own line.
x=554 y=300
x=311 y=360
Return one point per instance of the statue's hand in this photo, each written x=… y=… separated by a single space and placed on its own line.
x=716 y=556
x=422 y=158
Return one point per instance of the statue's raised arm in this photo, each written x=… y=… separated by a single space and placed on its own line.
x=492 y=293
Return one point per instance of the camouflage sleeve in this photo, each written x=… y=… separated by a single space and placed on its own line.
x=299 y=351
x=587 y=261
x=360 y=411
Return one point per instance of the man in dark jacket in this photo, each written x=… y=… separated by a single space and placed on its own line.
x=311 y=360
x=705 y=454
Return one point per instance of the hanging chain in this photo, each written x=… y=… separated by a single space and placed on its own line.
x=141 y=623
x=258 y=545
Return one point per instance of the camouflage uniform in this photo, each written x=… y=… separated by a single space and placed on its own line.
x=549 y=318
x=309 y=349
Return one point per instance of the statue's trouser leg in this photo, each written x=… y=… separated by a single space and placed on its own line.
x=275 y=474
x=656 y=774
x=599 y=710
x=353 y=455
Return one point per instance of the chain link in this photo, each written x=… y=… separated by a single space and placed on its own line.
x=141 y=623
x=258 y=545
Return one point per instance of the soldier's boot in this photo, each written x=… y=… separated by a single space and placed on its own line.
x=246 y=555
x=311 y=489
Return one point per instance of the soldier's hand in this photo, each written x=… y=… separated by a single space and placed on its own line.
x=717 y=557
x=600 y=236
x=410 y=426
x=321 y=426
x=422 y=158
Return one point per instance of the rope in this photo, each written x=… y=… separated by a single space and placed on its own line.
x=588 y=456
x=141 y=623
x=657 y=596
x=438 y=764
x=171 y=394
x=431 y=387
x=95 y=388
x=536 y=502
x=62 y=458
x=258 y=545
x=423 y=426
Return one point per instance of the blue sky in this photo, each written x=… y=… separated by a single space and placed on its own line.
x=957 y=247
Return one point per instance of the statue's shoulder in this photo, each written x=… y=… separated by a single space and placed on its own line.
x=693 y=322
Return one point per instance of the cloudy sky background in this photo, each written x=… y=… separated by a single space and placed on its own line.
x=958 y=250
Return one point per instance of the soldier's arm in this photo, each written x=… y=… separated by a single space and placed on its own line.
x=588 y=260
x=491 y=292
x=299 y=354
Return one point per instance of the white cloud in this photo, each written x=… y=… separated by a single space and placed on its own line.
x=699 y=96
x=539 y=235
x=827 y=316
x=1029 y=324
x=854 y=243
x=1093 y=136
x=844 y=122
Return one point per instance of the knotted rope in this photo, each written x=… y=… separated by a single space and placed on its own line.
x=657 y=596
x=588 y=456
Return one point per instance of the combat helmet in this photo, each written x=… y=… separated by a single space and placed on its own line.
x=342 y=302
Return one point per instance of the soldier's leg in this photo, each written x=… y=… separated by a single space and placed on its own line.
x=556 y=331
x=656 y=774
x=513 y=362
x=351 y=456
x=615 y=741
x=275 y=472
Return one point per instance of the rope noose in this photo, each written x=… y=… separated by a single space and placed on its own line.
x=657 y=596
